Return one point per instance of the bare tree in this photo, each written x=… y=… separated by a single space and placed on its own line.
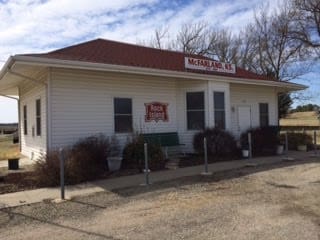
x=224 y=46
x=276 y=52
x=306 y=22
x=193 y=38
x=160 y=39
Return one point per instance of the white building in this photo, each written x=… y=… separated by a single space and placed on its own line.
x=110 y=87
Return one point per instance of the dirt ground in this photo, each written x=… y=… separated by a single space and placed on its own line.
x=280 y=201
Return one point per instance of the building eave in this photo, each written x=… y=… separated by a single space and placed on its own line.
x=71 y=64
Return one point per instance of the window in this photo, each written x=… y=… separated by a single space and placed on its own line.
x=195 y=110
x=38 y=117
x=264 y=114
x=25 y=123
x=122 y=115
x=219 y=110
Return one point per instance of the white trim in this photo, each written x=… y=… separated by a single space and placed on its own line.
x=40 y=61
x=48 y=110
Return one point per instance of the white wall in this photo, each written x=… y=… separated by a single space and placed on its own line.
x=82 y=103
x=32 y=145
x=250 y=95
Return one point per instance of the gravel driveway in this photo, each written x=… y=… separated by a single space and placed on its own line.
x=279 y=201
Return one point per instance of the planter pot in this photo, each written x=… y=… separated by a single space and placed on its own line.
x=13 y=163
x=280 y=149
x=114 y=163
x=245 y=153
x=302 y=148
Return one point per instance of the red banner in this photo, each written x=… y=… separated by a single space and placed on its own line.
x=156 y=111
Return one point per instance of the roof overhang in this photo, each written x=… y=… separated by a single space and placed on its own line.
x=9 y=83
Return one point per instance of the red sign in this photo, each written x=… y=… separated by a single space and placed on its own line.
x=209 y=65
x=156 y=111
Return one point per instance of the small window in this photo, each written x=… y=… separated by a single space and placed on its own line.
x=219 y=110
x=25 y=122
x=195 y=110
x=264 y=114
x=122 y=115
x=38 y=117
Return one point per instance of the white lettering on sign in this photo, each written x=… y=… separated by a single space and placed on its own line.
x=156 y=111
x=209 y=65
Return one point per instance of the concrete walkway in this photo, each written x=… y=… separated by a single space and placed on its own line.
x=38 y=195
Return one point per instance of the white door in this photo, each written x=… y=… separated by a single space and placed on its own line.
x=244 y=118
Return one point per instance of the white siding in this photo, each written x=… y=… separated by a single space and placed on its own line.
x=82 y=103
x=249 y=95
x=186 y=136
x=183 y=87
x=32 y=145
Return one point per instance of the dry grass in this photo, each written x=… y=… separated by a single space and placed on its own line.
x=7 y=148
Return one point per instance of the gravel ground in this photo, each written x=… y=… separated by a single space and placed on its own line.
x=272 y=202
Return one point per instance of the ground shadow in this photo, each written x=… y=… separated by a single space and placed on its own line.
x=11 y=214
x=180 y=182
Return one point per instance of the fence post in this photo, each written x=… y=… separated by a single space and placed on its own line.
x=287 y=143
x=315 y=150
x=315 y=142
x=146 y=166
x=205 y=151
x=61 y=156
x=250 y=145
x=286 y=157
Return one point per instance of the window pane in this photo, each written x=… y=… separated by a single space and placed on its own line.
x=38 y=126
x=25 y=124
x=38 y=117
x=263 y=108
x=38 y=107
x=264 y=114
x=195 y=120
x=264 y=121
x=218 y=98
x=123 y=123
x=122 y=106
x=219 y=119
x=195 y=100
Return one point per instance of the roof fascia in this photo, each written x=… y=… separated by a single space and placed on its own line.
x=40 y=61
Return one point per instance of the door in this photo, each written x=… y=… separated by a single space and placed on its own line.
x=244 y=118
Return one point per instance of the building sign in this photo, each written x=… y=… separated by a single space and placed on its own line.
x=209 y=65
x=156 y=111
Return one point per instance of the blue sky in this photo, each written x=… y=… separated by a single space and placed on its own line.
x=30 y=26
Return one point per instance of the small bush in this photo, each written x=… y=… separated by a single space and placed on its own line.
x=220 y=143
x=264 y=140
x=295 y=139
x=133 y=155
x=85 y=160
x=47 y=169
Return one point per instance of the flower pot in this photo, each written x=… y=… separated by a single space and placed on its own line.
x=280 y=149
x=114 y=163
x=302 y=148
x=13 y=163
x=245 y=153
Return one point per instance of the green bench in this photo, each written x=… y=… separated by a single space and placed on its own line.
x=167 y=139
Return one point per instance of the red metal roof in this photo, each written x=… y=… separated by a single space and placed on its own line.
x=112 y=52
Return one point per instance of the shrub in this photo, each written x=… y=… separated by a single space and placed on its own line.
x=264 y=140
x=133 y=155
x=220 y=143
x=295 y=139
x=85 y=160
x=47 y=169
